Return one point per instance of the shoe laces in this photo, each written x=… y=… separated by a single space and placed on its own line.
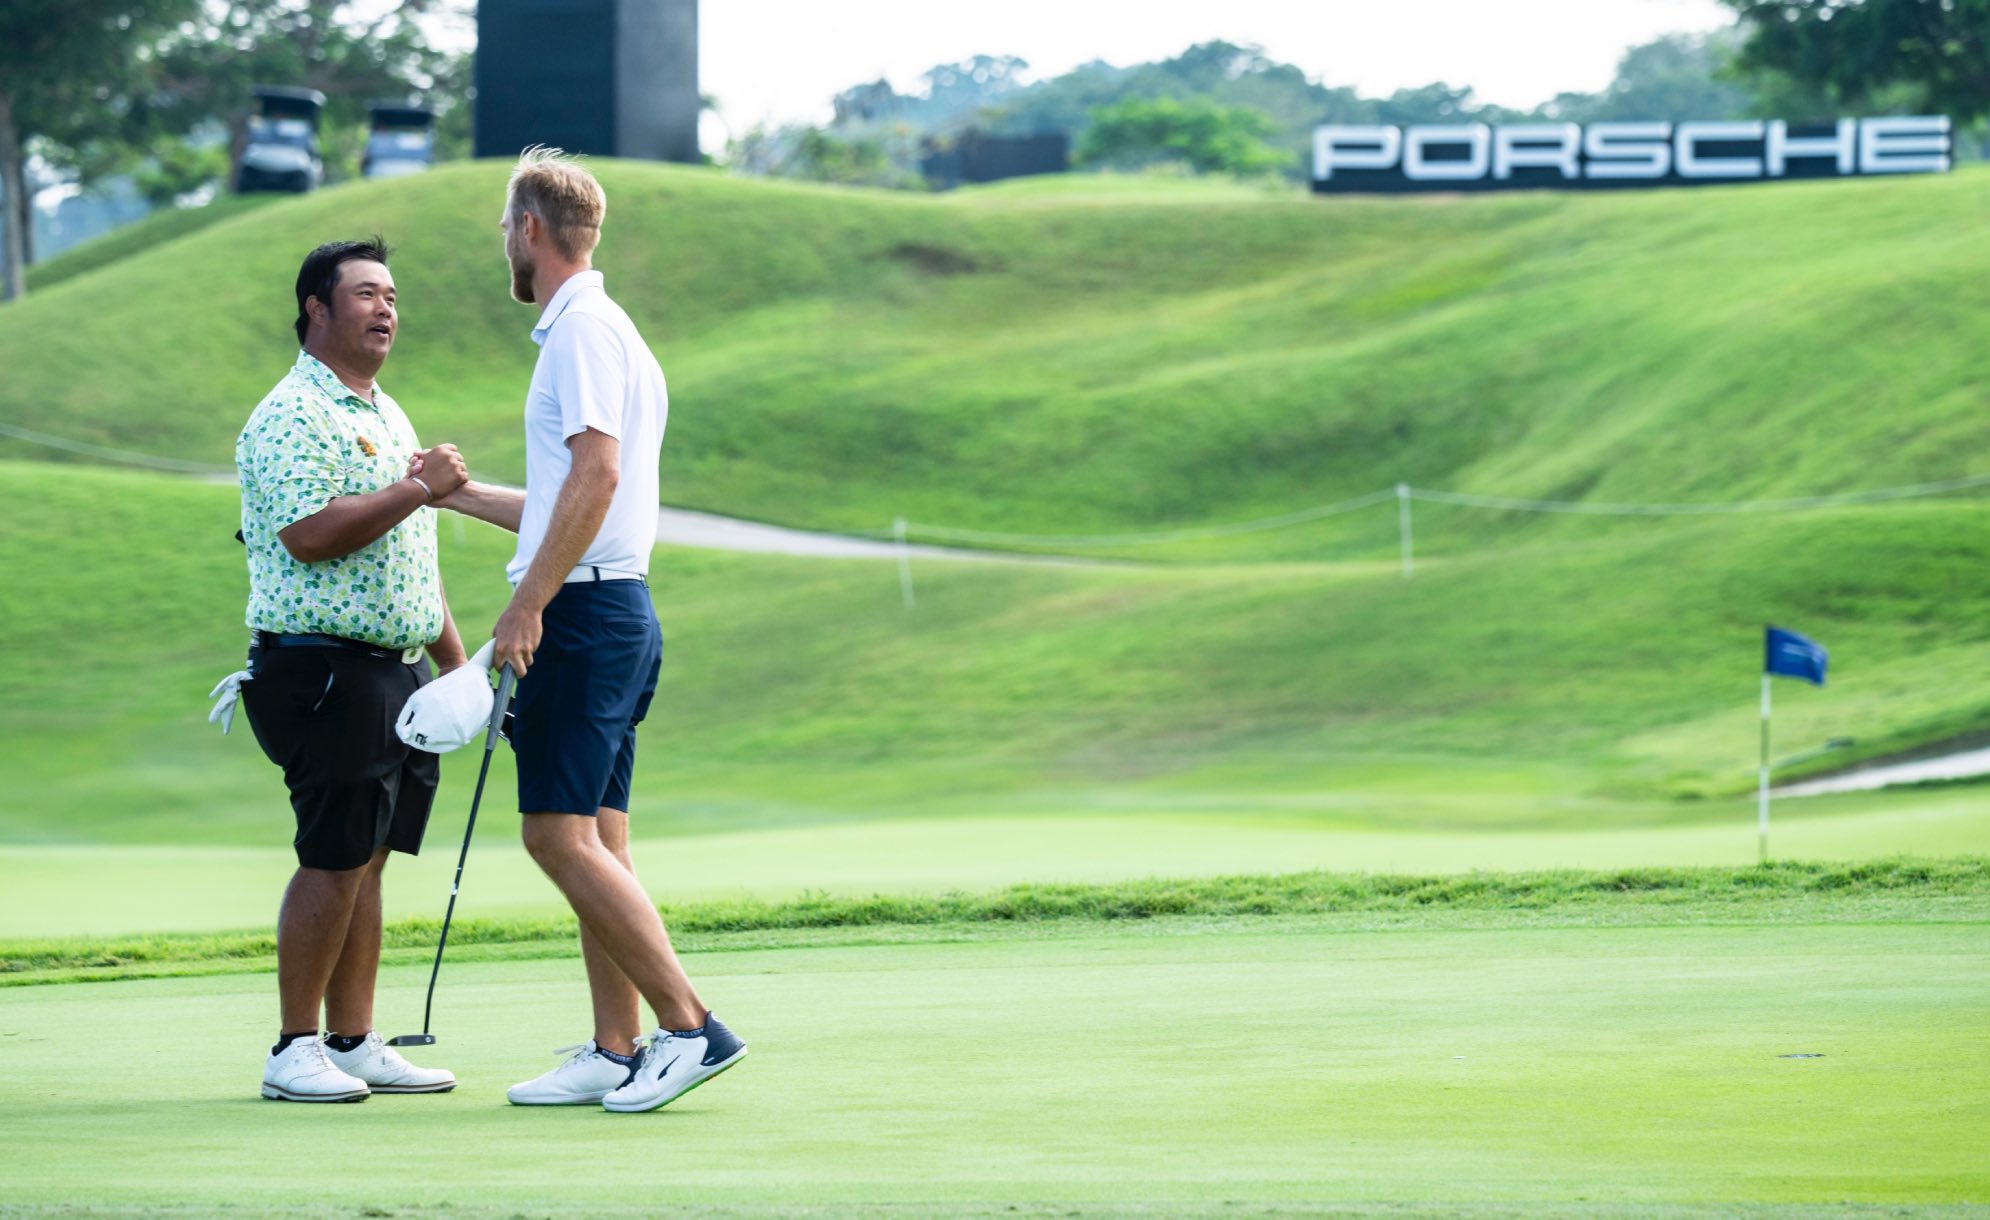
x=317 y=1054
x=647 y=1048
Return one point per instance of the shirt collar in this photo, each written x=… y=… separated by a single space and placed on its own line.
x=579 y=282
x=320 y=375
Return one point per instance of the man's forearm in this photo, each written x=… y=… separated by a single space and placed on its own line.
x=503 y=507
x=577 y=515
x=350 y=523
x=447 y=649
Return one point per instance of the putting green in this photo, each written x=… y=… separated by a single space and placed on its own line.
x=95 y=890
x=1173 y=1064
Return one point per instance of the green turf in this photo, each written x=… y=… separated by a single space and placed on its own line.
x=1074 y=357
x=155 y=230
x=63 y=890
x=1619 y=1071
x=1547 y=689
x=1882 y=891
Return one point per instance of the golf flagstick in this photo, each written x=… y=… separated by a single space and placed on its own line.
x=505 y=680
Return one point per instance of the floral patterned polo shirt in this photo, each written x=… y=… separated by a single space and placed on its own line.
x=310 y=441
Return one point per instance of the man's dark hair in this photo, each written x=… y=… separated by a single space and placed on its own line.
x=320 y=273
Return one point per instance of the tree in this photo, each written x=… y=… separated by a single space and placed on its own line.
x=1223 y=73
x=1209 y=138
x=1436 y=102
x=1859 y=48
x=67 y=68
x=1676 y=76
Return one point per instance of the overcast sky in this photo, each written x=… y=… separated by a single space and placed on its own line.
x=782 y=60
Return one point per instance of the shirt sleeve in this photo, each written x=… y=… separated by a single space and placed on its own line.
x=590 y=377
x=298 y=467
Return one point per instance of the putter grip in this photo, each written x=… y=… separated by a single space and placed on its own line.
x=499 y=705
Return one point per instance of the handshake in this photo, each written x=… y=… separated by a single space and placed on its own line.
x=440 y=470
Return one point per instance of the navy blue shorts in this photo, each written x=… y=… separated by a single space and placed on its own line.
x=590 y=685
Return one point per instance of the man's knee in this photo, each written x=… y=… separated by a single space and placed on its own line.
x=612 y=826
x=551 y=838
x=335 y=879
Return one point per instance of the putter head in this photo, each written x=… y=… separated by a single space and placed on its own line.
x=412 y=1040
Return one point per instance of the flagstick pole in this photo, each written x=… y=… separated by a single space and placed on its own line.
x=1762 y=814
x=1403 y=527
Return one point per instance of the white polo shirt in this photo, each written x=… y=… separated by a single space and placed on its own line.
x=594 y=371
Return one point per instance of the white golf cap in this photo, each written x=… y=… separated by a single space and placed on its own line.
x=452 y=711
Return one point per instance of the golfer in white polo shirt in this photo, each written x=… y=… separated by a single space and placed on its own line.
x=582 y=635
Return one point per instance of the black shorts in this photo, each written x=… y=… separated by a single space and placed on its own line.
x=590 y=685
x=326 y=716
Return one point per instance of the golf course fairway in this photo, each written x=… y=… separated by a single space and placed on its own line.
x=1166 y=1067
x=94 y=890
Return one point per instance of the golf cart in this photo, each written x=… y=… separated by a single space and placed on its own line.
x=400 y=140
x=282 y=153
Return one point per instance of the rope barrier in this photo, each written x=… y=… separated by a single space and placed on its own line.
x=1259 y=525
x=1461 y=499
x=174 y=465
x=1401 y=493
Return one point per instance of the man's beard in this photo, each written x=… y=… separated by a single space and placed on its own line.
x=521 y=275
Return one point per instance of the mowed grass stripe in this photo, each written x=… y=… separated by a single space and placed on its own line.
x=1629 y=1067
x=801 y=690
x=1880 y=891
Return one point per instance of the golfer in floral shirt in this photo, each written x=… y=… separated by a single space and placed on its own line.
x=344 y=596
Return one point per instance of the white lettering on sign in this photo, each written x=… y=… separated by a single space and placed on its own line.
x=1536 y=146
x=1355 y=148
x=1627 y=150
x=1918 y=145
x=1474 y=155
x=1475 y=138
x=1689 y=162
x=1780 y=146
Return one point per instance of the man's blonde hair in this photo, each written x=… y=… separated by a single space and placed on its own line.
x=567 y=200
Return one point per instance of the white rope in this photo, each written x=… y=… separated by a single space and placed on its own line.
x=1259 y=525
x=1187 y=535
x=117 y=455
x=1464 y=499
x=1908 y=492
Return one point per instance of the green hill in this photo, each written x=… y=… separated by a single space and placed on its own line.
x=1086 y=355
x=1557 y=686
x=154 y=230
x=1082 y=356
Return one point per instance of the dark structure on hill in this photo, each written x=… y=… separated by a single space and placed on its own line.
x=974 y=157
x=611 y=78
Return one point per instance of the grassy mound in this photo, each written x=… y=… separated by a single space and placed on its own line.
x=1487 y=693
x=1081 y=356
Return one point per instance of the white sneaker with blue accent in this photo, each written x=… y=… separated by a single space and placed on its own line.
x=674 y=1063
x=587 y=1076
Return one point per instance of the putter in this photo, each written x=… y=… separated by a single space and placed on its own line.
x=503 y=700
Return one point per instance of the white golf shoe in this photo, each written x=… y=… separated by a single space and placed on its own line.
x=384 y=1071
x=587 y=1076
x=671 y=1065
x=305 y=1072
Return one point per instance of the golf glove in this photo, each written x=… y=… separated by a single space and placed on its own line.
x=225 y=695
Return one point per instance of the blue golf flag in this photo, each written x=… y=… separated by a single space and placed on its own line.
x=1795 y=656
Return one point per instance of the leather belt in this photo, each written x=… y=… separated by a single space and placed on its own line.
x=273 y=639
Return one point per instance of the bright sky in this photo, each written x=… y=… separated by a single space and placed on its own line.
x=782 y=60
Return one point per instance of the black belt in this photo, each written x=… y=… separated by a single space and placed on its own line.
x=272 y=639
